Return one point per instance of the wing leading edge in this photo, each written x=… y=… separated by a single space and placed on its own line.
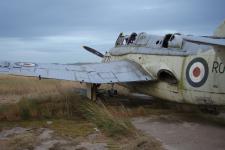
x=112 y=72
x=213 y=41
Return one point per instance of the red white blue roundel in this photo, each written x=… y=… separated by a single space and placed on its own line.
x=197 y=72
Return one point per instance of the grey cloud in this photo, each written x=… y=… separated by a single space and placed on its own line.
x=55 y=30
x=44 y=17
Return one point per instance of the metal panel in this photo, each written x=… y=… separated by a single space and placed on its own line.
x=61 y=74
x=94 y=77
x=112 y=72
x=82 y=76
x=206 y=40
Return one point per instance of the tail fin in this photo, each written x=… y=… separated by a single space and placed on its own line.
x=220 y=51
x=220 y=31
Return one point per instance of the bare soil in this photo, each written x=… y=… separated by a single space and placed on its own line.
x=176 y=133
x=19 y=138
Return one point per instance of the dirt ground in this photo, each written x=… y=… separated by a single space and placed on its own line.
x=21 y=138
x=176 y=133
x=171 y=131
x=44 y=139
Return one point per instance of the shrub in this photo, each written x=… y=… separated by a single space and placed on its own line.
x=105 y=120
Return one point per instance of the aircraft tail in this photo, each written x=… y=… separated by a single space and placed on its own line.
x=220 y=30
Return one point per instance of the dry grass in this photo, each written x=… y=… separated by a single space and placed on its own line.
x=21 y=142
x=71 y=106
x=19 y=85
x=63 y=104
x=52 y=99
x=107 y=120
x=30 y=103
x=13 y=88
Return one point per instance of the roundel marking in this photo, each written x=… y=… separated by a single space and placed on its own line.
x=197 y=72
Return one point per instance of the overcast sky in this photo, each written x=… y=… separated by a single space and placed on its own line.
x=55 y=30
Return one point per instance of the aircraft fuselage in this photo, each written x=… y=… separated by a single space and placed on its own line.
x=200 y=77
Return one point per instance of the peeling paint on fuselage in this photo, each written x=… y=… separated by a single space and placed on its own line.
x=211 y=92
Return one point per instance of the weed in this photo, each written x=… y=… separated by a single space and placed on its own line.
x=112 y=125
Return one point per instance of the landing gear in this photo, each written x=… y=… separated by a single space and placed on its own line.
x=112 y=92
x=92 y=91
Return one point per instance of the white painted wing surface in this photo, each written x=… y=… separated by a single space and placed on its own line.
x=213 y=41
x=112 y=72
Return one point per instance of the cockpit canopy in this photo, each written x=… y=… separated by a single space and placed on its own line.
x=152 y=41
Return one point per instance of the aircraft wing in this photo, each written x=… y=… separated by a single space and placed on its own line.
x=111 y=72
x=213 y=41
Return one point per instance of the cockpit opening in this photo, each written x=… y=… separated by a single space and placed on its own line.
x=175 y=41
x=120 y=39
x=132 y=38
x=151 y=41
x=172 y=41
x=166 y=40
x=125 y=39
